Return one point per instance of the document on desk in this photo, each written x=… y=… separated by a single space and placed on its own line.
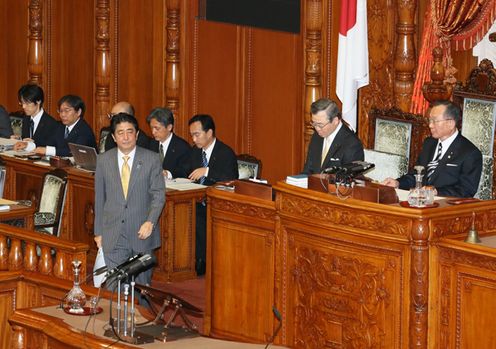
x=7 y=202
x=8 y=141
x=183 y=184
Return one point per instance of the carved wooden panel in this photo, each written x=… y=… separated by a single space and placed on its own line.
x=7 y=305
x=343 y=295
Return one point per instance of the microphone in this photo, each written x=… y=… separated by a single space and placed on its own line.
x=130 y=268
x=332 y=169
x=355 y=168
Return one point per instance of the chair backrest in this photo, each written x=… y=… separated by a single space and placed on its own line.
x=104 y=133
x=477 y=98
x=16 y=120
x=3 y=174
x=386 y=165
x=396 y=132
x=249 y=166
x=53 y=196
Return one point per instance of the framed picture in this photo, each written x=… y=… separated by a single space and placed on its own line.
x=393 y=137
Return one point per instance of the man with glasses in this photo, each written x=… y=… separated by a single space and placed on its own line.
x=38 y=128
x=125 y=107
x=452 y=163
x=71 y=129
x=333 y=143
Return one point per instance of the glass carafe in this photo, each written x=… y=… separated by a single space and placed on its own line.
x=76 y=298
x=416 y=197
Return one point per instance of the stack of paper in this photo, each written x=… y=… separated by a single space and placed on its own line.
x=300 y=180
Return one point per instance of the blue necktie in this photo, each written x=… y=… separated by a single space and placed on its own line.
x=66 y=134
x=204 y=164
x=431 y=166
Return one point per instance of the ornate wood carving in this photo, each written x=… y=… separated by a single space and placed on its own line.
x=445 y=302
x=419 y=285
x=173 y=71
x=437 y=89
x=313 y=61
x=102 y=63
x=380 y=91
x=15 y=256
x=60 y=269
x=89 y=218
x=242 y=208
x=45 y=264
x=35 y=50
x=18 y=338
x=348 y=292
x=343 y=217
x=454 y=225
x=405 y=56
x=4 y=253
x=30 y=257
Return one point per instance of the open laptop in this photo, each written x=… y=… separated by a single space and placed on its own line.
x=84 y=156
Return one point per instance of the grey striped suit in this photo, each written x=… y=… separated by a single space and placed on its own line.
x=118 y=220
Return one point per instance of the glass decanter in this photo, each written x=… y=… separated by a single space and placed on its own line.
x=76 y=298
x=416 y=197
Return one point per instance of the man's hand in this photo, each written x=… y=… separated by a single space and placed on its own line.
x=198 y=173
x=145 y=230
x=390 y=182
x=20 y=145
x=40 y=150
x=98 y=240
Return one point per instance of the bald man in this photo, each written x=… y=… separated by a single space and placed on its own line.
x=125 y=107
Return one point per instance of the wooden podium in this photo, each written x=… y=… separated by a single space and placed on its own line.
x=344 y=273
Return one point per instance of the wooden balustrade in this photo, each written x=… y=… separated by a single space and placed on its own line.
x=19 y=252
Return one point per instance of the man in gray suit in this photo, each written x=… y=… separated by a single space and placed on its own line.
x=129 y=197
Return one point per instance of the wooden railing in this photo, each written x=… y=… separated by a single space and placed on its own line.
x=24 y=250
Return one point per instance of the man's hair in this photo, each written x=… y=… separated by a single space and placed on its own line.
x=452 y=110
x=122 y=117
x=74 y=101
x=162 y=115
x=31 y=93
x=206 y=121
x=331 y=108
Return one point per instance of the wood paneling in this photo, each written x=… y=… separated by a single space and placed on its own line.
x=13 y=55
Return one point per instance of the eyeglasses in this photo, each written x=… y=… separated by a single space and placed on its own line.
x=319 y=125
x=433 y=121
x=65 y=110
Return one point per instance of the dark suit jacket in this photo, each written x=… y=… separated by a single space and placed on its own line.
x=345 y=148
x=222 y=166
x=45 y=132
x=143 y=141
x=458 y=172
x=80 y=134
x=5 y=126
x=177 y=153
x=114 y=214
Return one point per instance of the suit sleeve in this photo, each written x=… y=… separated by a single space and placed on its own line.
x=225 y=170
x=156 y=190
x=99 y=196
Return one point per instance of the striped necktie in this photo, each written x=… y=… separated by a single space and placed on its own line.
x=66 y=134
x=204 y=164
x=161 y=151
x=432 y=165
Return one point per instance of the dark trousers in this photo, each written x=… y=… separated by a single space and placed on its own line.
x=201 y=235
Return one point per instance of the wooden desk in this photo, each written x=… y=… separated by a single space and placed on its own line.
x=176 y=257
x=18 y=212
x=343 y=273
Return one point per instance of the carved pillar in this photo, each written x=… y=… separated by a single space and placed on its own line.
x=45 y=263
x=4 y=253
x=35 y=50
x=313 y=55
x=15 y=255
x=419 y=285
x=17 y=340
x=30 y=257
x=404 y=58
x=102 y=63
x=172 y=72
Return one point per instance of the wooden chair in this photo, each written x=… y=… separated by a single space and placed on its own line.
x=386 y=165
x=249 y=166
x=477 y=98
x=104 y=133
x=48 y=216
x=16 y=120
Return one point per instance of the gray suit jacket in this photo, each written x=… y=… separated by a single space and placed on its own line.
x=114 y=215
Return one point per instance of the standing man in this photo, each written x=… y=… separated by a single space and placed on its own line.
x=38 y=128
x=173 y=150
x=333 y=143
x=210 y=161
x=125 y=107
x=129 y=197
x=72 y=128
x=452 y=163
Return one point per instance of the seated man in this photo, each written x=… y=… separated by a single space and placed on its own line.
x=333 y=143
x=125 y=107
x=72 y=128
x=5 y=126
x=452 y=163
x=210 y=161
x=38 y=127
x=173 y=150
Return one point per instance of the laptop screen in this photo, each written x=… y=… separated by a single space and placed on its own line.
x=84 y=156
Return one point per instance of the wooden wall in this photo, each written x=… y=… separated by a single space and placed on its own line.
x=258 y=84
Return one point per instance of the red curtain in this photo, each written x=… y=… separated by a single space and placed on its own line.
x=457 y=24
